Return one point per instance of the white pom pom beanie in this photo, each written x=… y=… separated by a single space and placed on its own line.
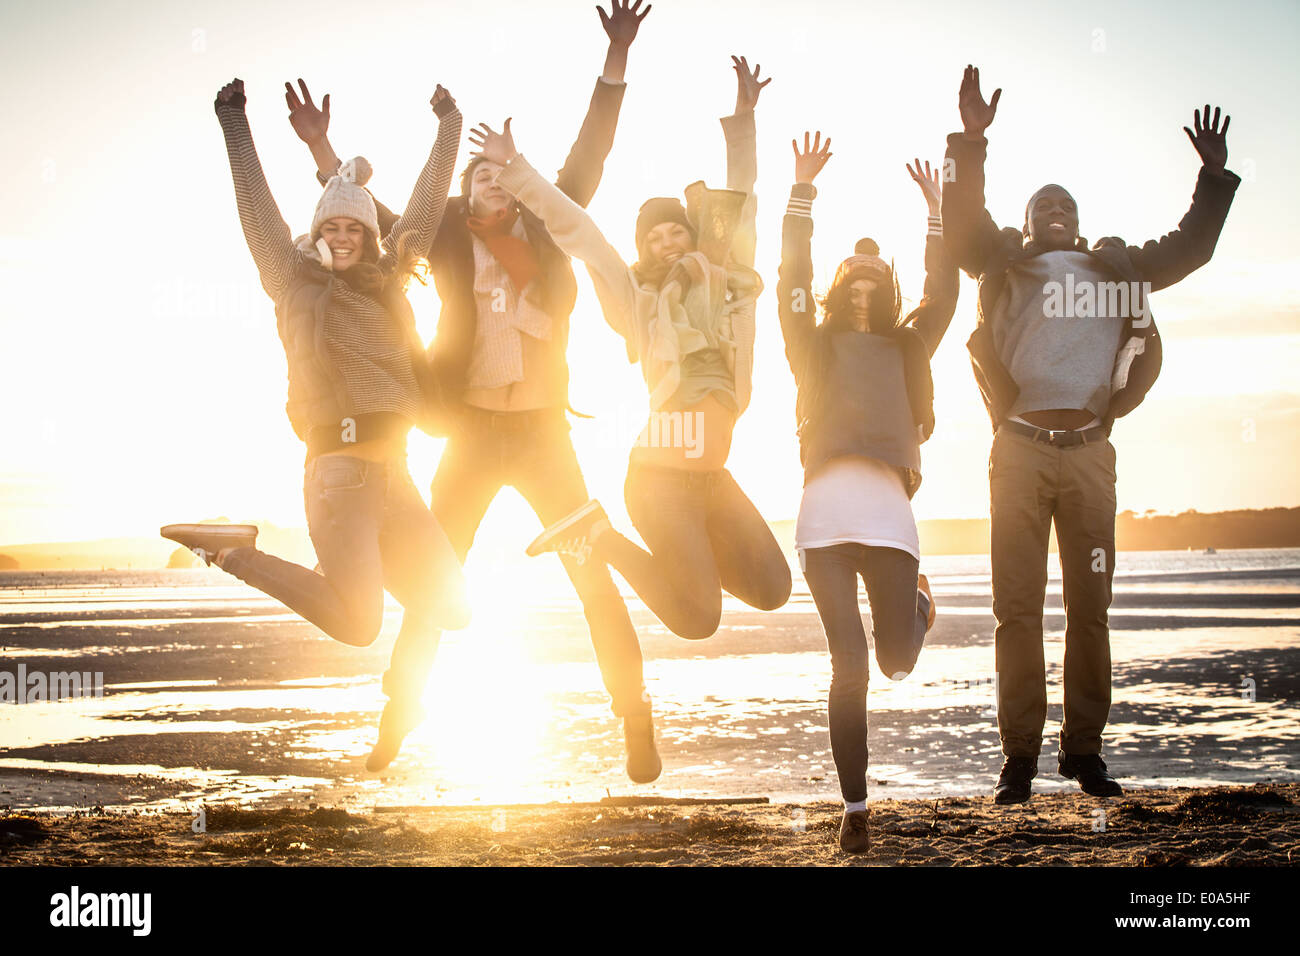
x=344 y=196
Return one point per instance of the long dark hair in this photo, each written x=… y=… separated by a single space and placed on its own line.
x=884 y=305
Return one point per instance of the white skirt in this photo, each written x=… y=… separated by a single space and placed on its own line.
x=852 y=499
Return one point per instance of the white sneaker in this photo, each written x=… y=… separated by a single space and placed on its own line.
x=574 y=534
x=208 y=540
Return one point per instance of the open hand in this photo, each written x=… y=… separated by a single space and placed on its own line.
x=976 y=115
x=311 y=124
x=232 y=94
x=810 y=162
x=747 y=84
x=1210 y=141
x=929 y=183
x=493 y=146
x=622 y=21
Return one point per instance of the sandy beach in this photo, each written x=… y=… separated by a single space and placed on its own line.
x=216 y=698
x=1222 y=826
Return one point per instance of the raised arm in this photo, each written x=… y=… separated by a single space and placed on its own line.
x=1164 y=261
x=933 y=315
x=585 y=163
x=795 y=304
x=569 y=225
x=742 y=156
x=265 y=231
x=312 y=124
x=968 y=229
x=428 y=200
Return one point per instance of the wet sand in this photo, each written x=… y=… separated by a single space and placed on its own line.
x=216 y=697
x=1244 y=826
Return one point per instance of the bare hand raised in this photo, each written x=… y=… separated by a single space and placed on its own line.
x=1210 y=141
x=747 y=84
x=496 y=147
x=976 y=115
x=622 y=21
x=929 y=183
x=311 y=124
x=810 y=162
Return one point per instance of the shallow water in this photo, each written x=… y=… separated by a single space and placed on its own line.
x=214 y=692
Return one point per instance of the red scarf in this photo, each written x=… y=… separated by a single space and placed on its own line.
x=515 y=255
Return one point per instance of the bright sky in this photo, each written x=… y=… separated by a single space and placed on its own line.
x=142 y=377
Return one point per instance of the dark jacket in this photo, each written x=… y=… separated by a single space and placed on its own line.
x=807 y=344
x=451 y=257
x=987 y=253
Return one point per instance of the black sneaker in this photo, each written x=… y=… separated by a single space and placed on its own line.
x=573 y=534
x=207 y=540
x=1090 y=771
x=643 y=764
x=1013 y=781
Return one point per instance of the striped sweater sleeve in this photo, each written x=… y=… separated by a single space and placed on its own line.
x=423 y=213
x=265 y=231
x=796 y=306
x=933 y=315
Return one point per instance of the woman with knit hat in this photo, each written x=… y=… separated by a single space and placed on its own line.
x=865 y=405
x=356 y=387
x=686 y=312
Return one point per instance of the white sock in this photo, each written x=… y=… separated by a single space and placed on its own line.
x=855 y=806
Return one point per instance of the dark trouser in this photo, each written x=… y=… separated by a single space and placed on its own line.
x=531 y=451
x=1032 y=484
x=371 y=531
x=704 y=535
x=898 y=625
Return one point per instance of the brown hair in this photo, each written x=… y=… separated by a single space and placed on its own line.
x=884 y=305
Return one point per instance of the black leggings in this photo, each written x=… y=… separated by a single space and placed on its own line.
x=704 y=536
x=898 y=621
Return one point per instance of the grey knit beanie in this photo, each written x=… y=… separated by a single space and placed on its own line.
x=344 y=196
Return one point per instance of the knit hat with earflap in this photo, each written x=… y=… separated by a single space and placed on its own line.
x=865 y=263
x=344 y=196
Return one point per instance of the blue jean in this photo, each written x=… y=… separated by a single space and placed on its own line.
x=372 y=531
x=531 y=451
x=704 y=536
x=898 y=623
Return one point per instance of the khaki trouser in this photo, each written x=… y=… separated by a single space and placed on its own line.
x=1030 y=485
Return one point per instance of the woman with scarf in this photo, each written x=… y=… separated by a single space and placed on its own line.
x=686 y=312
x=865 y=405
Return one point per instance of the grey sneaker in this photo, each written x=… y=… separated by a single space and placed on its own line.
x=207 y=540
x=574 y=534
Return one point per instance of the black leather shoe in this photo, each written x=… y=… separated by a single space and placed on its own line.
x=1013 y=781
x=1090 y=771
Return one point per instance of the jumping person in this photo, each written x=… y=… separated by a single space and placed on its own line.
x=686 y=311
x=1054 y=376
x=498 y=357
x=865 y=404
x=357 y=383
